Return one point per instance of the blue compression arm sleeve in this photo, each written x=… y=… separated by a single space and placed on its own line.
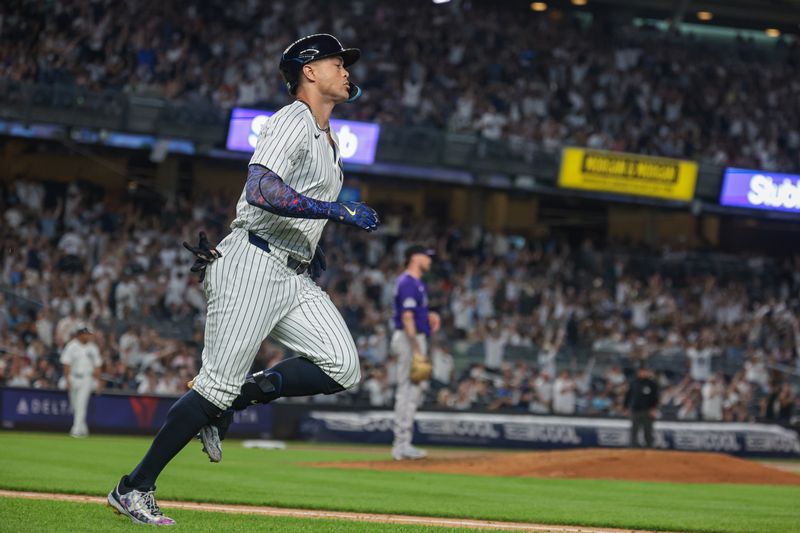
x=266 y=190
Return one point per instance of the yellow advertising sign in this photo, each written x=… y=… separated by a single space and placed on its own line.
x=618 y=172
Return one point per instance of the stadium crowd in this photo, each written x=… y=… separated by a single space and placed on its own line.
x=534 y=80
x=529 y=325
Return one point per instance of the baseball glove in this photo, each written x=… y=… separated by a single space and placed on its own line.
x=421 y=368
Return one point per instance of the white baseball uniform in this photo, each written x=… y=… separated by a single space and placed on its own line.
x=82 y=359
x=252 y=293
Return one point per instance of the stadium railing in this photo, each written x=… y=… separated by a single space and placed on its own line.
x=205 y=124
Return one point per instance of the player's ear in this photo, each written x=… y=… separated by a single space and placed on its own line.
x=308 y=72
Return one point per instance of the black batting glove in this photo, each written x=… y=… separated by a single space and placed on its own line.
x=204 y=254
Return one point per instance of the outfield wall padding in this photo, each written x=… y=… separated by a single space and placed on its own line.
x=109 y=413
x=522 y=431
x=123 y=413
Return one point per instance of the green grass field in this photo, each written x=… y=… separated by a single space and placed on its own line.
x=55 y=463
x=33 y=515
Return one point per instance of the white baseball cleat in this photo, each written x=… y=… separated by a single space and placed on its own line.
x=140 y=506
x=408 y=453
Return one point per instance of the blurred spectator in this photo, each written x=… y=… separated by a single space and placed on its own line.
x=564 y=393
x=689 y=408
x=779 y=404
x=541 y=400
x=713 y=394
x=494 y=345
x=443 y=367
x=148 y=383
x=600 y=83
x=700 y=360
x=376 y=386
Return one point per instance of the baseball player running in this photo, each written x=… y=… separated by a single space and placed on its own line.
x=413 y=325
x=81 y=360
x=257 y=281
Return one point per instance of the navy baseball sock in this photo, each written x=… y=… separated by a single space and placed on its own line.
x=184 y=420
x=292 y=377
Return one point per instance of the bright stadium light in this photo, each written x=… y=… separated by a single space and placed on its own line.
x=773 y=32
x=440 y=1
x=579 y=2
x=705 y=15
x=538 y=6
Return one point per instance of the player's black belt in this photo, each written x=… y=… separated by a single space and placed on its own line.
x=299 y=267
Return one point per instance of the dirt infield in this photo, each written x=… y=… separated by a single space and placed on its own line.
x=631 y=465
x=332 y=515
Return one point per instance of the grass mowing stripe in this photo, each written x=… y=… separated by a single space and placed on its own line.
x=47 y=462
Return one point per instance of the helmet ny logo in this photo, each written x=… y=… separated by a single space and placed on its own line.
x=308 y=52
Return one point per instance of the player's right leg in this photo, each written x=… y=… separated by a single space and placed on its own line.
x=296 y=376
x=246 y=295
x=329 y=362
x=634 y=435
x=83 y=392
x=76 y=410
x=316 y=330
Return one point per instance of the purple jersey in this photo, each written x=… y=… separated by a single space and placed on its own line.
x=410 y=295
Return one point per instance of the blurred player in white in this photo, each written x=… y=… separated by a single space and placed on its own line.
x=82 y=362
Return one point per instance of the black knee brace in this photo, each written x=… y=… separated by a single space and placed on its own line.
x=261 y=387
x=301 y=377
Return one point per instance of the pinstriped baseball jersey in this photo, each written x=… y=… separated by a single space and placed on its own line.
x=292 y=146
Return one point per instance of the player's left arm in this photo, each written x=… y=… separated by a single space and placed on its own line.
x=266 y=189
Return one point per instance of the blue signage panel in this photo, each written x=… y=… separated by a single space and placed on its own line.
x=111 y=412
x=358 y=141
x=760 y=189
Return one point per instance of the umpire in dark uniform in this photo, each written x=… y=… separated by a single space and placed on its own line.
x=641 y=402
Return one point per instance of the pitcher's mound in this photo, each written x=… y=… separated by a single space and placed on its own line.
x=639 y=465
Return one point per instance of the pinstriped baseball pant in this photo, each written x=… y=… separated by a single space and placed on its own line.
x=252 y=294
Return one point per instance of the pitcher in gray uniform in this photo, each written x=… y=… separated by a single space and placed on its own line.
x=257 y=280
x=413 y=324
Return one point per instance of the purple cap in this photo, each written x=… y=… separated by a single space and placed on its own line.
x=415 y=249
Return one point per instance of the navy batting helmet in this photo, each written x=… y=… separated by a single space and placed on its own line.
x=312 y=48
